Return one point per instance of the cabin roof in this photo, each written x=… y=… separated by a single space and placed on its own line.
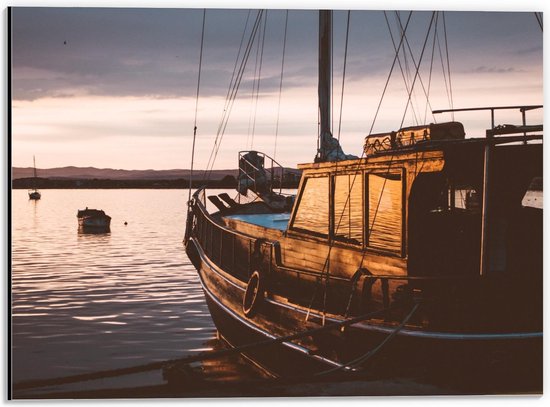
x=431 y=149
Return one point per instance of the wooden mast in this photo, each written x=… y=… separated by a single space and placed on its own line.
x=328 y=148
x=325 y=37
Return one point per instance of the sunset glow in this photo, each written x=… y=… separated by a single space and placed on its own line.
x=93 y=91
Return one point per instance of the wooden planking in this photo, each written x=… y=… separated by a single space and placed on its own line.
x=370 y=162
x=252 y=230
x=344 y=262
x=311 y=254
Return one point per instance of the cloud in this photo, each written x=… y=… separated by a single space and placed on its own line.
x=141 y=52
x=130 y=75
x=486 y=69
x=528 y=51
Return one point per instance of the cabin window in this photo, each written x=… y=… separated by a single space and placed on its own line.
x=312 y=214
x=466 y=198
x=385 y=211
x=348 y=208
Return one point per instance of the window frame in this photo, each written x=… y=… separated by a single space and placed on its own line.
x=360 y=175
x=401 y=252
x=309 y=232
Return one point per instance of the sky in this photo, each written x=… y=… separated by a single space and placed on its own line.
x=116 y=87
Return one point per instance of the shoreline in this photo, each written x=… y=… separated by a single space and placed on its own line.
x=45 y=183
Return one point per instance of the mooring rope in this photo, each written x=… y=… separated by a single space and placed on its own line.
x=371 y=353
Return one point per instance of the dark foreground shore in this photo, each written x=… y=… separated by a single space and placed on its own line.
x=265 y=388
x=234 y=377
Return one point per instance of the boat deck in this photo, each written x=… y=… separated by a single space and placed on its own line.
x=277 y=221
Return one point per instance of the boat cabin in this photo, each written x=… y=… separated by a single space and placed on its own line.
x=416 y=198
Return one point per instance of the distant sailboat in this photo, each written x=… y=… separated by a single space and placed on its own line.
x=34 y=194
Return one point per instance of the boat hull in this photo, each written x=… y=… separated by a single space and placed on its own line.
x=94 y=224
x=469 y=363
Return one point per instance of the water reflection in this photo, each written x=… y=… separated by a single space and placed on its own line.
x=86 y=302
x=83 y=231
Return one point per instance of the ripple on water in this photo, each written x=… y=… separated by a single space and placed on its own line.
x=91 y=302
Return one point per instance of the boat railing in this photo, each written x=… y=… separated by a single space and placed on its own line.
x=242 y=254
x=200 y=195
x=507 y=129
x=227 y=248
x=265 y=171
x=491 y=141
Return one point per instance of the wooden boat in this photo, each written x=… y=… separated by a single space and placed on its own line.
x=430 y=282
x=34 y=194
x=93 y=220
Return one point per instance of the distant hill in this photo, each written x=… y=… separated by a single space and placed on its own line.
x=91 y=177
x=113 y=174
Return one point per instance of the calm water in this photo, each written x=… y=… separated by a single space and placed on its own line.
x=83 y=303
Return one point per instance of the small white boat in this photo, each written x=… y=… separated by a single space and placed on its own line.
x=93 y=219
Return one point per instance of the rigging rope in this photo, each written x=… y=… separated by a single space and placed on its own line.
x=359 y=161
x=196 y=107
x=227 y=98
x=426 y=93
x=539 y=17
x=326 y=265
x=430 y=75
x=280 y=87
x=344 y=75
x=405 y=76
x=232 y=95
x=417 y=69
x=448 y=65
x=331 y=72
x=259 y=79
x=444 y=71
x=407 y=64
x=371 y=228
x=325 y=272
x=228 y=95
x=390 y=73
x=253 y=93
